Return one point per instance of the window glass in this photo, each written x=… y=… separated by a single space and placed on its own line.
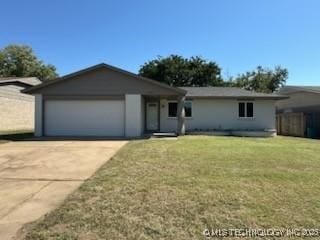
x=249 y=109
x=188 y=108
x=172 y=109
x=241 y=109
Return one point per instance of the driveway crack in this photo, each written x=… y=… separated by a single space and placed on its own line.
x=25 y=200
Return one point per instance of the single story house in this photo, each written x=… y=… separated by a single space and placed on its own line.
x=16 y=108
x=107 y=101
x=299 y=115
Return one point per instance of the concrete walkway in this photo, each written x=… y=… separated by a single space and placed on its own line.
x=36 y=176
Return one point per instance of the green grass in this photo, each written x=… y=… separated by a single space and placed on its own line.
x=165 y=189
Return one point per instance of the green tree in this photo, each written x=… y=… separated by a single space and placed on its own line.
x=176 y=70
x=20 y=61
x=261 y=79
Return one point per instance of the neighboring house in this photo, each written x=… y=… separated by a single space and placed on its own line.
x=16 y=108
x=299 y=115
x=106 y=101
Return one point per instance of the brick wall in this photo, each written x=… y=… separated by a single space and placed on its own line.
x=16 y=109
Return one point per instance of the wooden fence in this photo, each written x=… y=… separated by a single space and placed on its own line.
x=291 y=124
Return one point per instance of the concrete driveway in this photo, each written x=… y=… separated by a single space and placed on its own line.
x=36 y=176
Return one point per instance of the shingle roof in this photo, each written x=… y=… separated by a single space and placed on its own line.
x=288 y=88
x=28 y=81
x=227 y=92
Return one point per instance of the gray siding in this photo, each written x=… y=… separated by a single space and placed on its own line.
x=208 y=114
x=143 y=114
x=299 y=100
x=104 y=81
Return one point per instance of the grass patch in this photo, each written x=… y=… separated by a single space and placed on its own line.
x=164 y=189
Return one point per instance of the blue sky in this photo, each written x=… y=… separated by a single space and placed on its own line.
x=237 y=34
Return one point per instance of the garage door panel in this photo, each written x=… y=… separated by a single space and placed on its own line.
x=84 y=118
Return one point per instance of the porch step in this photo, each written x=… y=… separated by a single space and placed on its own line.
x=163 y=135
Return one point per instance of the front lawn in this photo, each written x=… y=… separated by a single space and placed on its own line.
x=174 y=189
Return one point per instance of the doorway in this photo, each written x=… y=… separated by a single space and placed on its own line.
x=152 y=116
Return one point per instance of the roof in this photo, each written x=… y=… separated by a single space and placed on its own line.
x=227 y=92
x=211 y=92
x=24 y=81
x=291 y=89
x=98 y=66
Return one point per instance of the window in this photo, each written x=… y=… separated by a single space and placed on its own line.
x=173 y=108
x=249 y=109
x=188 y=108
x=245 y=109
x=241 y=109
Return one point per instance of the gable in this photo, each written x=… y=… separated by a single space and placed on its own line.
x=295 y=89
x=299 y=99
x=104 y=81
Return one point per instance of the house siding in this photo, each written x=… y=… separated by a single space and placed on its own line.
x=16 y=109
x=133 y=115
x=38 y=116
x=302 y=102
x=104 y=82
x=143 y=114
x=210 y=114
x=298 y=100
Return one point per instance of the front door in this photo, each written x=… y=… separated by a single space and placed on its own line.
x=152 y=116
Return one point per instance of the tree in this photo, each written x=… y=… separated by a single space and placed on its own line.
x=176 y=70
x=20 y=61
x=262 y=79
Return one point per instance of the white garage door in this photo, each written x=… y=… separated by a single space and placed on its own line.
x=84 y=118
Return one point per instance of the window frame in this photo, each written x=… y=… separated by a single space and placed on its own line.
x=173 y=101
x=246 y=110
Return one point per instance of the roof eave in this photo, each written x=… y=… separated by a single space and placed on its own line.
x=242 y=97
x=18 y=83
